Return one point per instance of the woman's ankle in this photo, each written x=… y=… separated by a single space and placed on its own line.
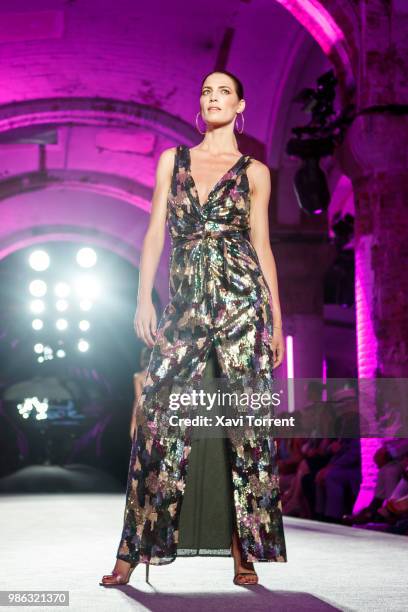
x=122 y=563
x=239 y=563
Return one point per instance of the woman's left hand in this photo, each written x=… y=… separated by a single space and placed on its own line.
x=132 y=427
x=278 y=347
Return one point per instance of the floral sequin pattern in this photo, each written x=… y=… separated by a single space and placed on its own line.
x=218 y=297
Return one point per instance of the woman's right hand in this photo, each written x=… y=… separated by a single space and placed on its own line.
x=145 y=322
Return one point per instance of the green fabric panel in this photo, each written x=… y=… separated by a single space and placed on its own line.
x=206 y=517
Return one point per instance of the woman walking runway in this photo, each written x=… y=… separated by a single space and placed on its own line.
x=223 y=314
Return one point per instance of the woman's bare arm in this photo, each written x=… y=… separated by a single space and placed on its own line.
x=259 y=176
x=153 y=243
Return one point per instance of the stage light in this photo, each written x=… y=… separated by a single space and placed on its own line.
x=37 y=306
x=48 y=354
x=39 y=260
x=60 y=353
x=290 y=372
x=85 y=304
x=87 y=287
x=83 y=345
x=61 y=305
x=62 y=289
x=40 y=359
x=38 y=348
x=84 y=325
x=33 y=403
x=37 y=324
x=61 y=324
x=38 y=288
x=86 y=257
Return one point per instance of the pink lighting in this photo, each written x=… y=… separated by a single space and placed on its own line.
x=316 y=20
x=366 y=359
x=324 y=371
x=366 y=340
x=324 y=379
x=289 y=356
x=320 y=24
x=290 y=372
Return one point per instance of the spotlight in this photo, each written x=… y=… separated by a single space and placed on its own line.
x=87 y=287
x=84 y=325
x=62 y=289
x=38 y=288
x=48 y=354
x=30 y=403
x=61 y=305
x=38 y=348
x=37 y=324
x=60 y=353
x=86 y=257
x=39 y=260
x=37 y=306
x=85 y=304
x=62 y=324
x=83 y=345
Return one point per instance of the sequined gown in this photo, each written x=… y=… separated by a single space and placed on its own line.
x=219 y=309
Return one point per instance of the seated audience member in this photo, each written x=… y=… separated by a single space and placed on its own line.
x=289 y=457
x=298 y=500
x=389 y=474
x=317 y=454
x=392 y=516
x=329 y=467
x=342 y=474
x=338 y=483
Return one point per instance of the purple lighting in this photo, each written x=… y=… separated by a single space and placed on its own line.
x=321 y=25
x=366 y=358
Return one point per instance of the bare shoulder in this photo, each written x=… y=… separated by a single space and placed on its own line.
x=258 y=168
x=168 y=154
x=166 y=159
x=258 y=175
x=165 y=165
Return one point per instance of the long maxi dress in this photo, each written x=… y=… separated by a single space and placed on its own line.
x=218 y=321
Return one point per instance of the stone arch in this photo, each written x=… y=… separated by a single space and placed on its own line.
x=88 y=111
x=334 y=26
x=131 y=197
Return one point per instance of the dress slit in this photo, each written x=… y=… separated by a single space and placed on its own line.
x=206 y=516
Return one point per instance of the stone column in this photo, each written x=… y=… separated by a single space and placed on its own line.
x=374 y=156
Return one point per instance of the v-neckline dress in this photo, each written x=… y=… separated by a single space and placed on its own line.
x=218 y=320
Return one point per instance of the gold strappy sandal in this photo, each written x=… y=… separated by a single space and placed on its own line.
x=114 y=579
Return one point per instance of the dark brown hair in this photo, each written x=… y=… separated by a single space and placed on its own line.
x=239 y=88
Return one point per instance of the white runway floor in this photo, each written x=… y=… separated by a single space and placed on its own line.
x=68 y=542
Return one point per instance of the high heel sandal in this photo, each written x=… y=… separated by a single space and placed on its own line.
x=117 y=575
x=240 y=577
x=239 y=580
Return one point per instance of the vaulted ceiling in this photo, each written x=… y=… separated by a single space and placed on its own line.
x=91 y=93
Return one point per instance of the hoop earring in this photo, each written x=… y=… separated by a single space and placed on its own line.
x=243 y=122
x=197 y=126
